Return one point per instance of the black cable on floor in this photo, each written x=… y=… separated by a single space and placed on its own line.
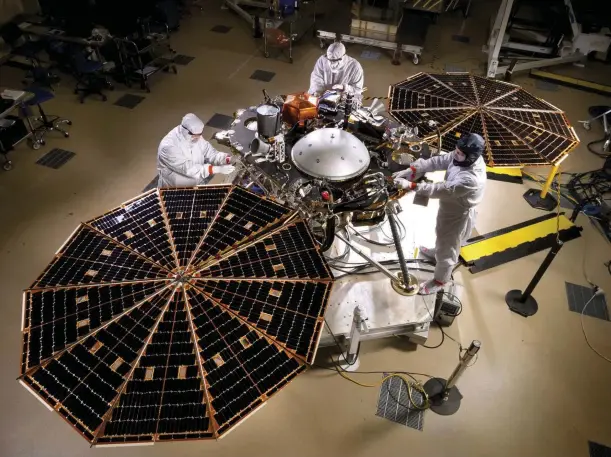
x=443 y=338
x=602 y=155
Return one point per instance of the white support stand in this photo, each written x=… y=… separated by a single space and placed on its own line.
x=497 y=36
x=350 y=359
x=575 y=50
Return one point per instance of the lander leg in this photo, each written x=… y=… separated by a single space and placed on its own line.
x=350 y=359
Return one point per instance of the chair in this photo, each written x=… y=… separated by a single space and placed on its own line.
x=44 y=123
x=90 y=79
x=20 y=44
x=141 y=58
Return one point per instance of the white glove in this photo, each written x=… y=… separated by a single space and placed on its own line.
x=408 y=174
x=222 y=169
x=405 y=184
x=339 y=87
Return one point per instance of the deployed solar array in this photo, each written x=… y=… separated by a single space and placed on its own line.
x=175 y=315
x=519 y=128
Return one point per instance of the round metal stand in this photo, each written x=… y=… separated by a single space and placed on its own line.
x=444 y=396
x=443 y=402
x=534 y=199
x=405 y=288
x=525 y=308
x=523 y=303
x=352 y=366
x=542 y=199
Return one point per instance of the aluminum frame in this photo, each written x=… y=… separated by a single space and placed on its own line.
x=497 y=41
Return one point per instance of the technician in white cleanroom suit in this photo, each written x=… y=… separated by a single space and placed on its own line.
x=459 y=194
x=184 y=158
x=337 y=71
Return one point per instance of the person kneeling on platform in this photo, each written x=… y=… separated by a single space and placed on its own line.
x=459 y=194
x=185 y=159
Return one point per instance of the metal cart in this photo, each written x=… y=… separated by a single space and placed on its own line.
x=281 y=32
x=141 y=58
x=394 y=28
x=7 y=106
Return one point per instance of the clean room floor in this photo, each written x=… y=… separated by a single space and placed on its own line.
x=536 y=388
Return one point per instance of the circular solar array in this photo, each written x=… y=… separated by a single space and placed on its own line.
x=175 y=315
x=519 y=128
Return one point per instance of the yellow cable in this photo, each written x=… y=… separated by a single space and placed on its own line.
x=410 y=384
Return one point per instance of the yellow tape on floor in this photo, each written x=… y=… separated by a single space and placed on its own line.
x=569 y=80
x=513 y=239
x=505 y=171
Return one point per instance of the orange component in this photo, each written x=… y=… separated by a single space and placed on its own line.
x=298 y=108
x=325 y=195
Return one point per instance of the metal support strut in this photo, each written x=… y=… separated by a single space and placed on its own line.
x=523 y=303
x=407 y=284
x=404 y=282
x=444 y=396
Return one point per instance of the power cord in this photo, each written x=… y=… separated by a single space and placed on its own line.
x=443 y=338
x=411 y=384
x=597 y=291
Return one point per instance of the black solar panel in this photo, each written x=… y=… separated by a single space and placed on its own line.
x=56 y=318
x=166 y=390
x=287 y=253
x=132 y=336
x=289 y=312
x=91 y=258
x=141 y=225
x=86 y=379
x=242 y=365
x=489 y=90
x=243 y=215
x=190 y=212
x=457 y=83
x=519 y=128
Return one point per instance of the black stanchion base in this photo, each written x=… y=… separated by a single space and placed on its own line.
x=442 y=402
x=527 y=308
x=533 y=197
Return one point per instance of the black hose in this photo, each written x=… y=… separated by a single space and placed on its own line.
x=359 y=203
x=329 y=235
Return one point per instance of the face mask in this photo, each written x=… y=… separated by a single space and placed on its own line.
x=336 y=65
x=193 y=138
x=459 y=156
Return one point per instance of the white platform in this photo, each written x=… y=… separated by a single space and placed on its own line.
x=389 y=313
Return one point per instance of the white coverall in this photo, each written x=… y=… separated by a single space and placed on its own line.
x=462 y=190
x=349 y=74
x=182 y=162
